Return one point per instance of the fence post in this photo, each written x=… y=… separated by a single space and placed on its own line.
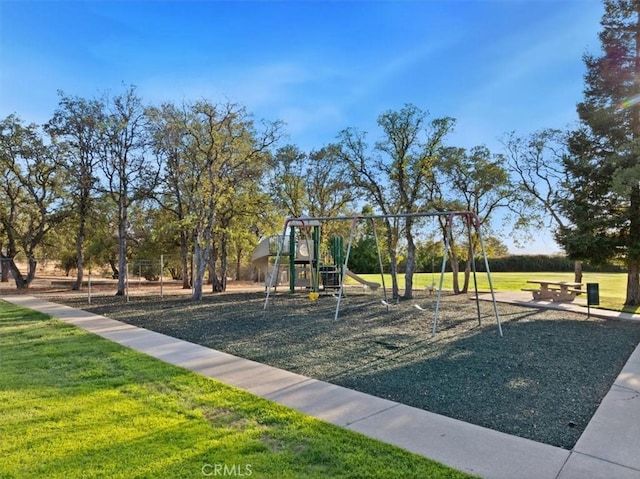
x=161 y=273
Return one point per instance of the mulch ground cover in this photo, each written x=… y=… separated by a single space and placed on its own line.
x=543 y=380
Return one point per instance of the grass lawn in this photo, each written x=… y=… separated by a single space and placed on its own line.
x=612 y=287
x=74 y=405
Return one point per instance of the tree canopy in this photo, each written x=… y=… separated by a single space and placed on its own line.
x=119 y=179
x=603 y=167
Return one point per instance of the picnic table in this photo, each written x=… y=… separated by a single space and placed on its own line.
x=554 y=290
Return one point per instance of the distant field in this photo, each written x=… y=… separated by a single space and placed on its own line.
x=612 y=285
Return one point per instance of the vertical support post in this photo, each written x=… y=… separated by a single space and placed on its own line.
x=316 y=258
x=384 y=286
x=161 y=276
x=305 y=229
x=472 y=258
x=192 y=290
x=276 y=266
x=344 y=268
x=442 y=271
x=486 y=265
x=292 y=260
x=89 y=287
x=126 y=280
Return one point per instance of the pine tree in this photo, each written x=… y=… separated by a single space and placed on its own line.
x=603 y=167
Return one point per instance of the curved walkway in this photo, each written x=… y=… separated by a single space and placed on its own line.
x=608 y=448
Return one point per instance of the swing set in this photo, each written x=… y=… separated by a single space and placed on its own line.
x=470 y=220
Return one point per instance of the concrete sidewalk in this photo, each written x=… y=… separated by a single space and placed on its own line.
x=608 y=448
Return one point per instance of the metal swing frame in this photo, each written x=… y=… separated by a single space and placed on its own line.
x=471 y=221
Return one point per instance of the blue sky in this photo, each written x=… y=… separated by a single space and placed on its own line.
x=321 y=66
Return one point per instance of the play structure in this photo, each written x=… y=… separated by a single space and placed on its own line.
x=291 y=258
x=294 y=259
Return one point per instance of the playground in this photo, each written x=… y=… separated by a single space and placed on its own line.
x=538 y=374
x=295 y=260
x=542 y=380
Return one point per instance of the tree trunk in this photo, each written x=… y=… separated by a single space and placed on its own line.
x=467 y=275
x=21 y=283
x=411 y=262
x=454 y=261
x=200 y=258
x=393 y=261
x=393 y=270
x=238 y=264
x=633 y=246
x=4 y=269
x=114 y=268
x=31 y=271
x=212 y=266
x=224 y=263
x=633 y=284
x=216 y=283
x=577 y=271
x=122 y=256
x=80 y=251
x=455 y=269
x=184 y=259
x=633 y=259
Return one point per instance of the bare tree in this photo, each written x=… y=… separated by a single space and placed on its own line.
x=168 y=144
x=478 y=182
x=223 y=150
x=537 y=170
x=78 y=122
x=130 y=175
x=398 y=176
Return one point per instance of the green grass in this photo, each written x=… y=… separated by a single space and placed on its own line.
x=74 y=405
x=612 y=287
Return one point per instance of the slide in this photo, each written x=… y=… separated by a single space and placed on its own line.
x=260 y=259
x=359 y=279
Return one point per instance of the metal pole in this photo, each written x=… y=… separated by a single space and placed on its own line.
x=486 y=265
x=161 y=275
x=292 y=260
x=316 y=257
x=126 y=280
x=384 y=286
x=312 y=283
x=276 y=265
x=444 y=264
x=472 y=258
x=89 y=287
x=344 y=269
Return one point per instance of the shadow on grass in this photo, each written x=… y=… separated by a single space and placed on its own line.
x=75 y=405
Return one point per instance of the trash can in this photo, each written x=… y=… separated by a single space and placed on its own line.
x=593 y=294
